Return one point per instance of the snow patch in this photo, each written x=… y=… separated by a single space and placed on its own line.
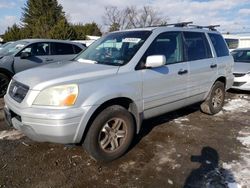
x=181 y=120
x=237 y=105
x=10 y=135
x=241 y=169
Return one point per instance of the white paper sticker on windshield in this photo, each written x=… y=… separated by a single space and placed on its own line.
x=131 y=40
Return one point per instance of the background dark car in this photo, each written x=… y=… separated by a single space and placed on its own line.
x=29 y=53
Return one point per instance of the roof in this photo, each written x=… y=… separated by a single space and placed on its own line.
x=47 y=40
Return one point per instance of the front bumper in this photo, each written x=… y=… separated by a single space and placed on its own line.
x=242 y=83
x=45 y=125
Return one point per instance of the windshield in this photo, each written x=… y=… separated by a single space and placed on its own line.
x=114 y=49
x=4 y=45
x=241 y=56
x=13 y=48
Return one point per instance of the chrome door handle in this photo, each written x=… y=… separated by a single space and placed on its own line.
x=213 y=66
x=181 y=72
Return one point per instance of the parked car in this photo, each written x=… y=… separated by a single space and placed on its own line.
x=29 y=53
x=241 y=69
x=4 y=45
x=101 y=98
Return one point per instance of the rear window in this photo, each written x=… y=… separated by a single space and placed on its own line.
x=219 y=45
x=62 y=49
x=197 y=46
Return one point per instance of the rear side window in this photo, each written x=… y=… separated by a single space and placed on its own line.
x=62 y=49
x=168 y=44
x=197 y=46
x=219 y=45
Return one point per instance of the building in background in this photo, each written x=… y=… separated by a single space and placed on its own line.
x=237 y=40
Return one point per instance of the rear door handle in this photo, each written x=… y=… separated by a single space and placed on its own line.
x=213 y=66
x=181 y=72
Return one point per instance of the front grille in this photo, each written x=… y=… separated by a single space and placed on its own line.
x=18 y=91
x=238 y=84
x=239 y=74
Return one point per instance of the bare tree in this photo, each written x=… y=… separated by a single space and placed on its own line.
x=131 y=17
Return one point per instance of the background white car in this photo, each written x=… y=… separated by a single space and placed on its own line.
x=241 y=69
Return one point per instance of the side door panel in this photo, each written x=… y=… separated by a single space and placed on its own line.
x=165 y=88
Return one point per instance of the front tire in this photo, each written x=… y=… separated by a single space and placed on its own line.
x=215 y=100
x=110 y=134
x=4 y=82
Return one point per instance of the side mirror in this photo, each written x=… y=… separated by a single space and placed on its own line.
x=25 y=55
x=154 y=61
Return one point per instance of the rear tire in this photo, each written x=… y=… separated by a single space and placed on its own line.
x=110 y=134
x=215 y=100
x=4 y=82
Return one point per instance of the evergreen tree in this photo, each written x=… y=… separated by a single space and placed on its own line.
x=40 y=16
x=13 y=33
x=62 y=30
x=88 y=29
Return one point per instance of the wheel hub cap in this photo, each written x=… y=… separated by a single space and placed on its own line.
x=113 y=134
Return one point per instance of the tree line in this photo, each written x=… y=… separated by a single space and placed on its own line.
x=46 y=19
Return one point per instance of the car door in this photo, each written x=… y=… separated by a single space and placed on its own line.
x=39 y=54
x=165 y=88
x=62 y=51
x=202 y=65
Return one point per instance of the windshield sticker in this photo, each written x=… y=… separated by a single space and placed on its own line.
x=132 y=40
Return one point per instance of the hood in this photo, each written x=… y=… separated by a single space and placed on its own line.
x=63 y=73
x=241 y=67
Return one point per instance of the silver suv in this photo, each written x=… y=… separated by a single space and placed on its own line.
x=101 y=98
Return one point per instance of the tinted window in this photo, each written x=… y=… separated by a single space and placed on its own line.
x=77 y=49
x=62 y=49
x=168 y=44
x=219 y=45
x=241 y=56
x=197 y=46
x=37 y=49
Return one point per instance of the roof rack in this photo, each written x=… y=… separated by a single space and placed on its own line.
x=210 y=27
x=180 y=24
x=188 y=24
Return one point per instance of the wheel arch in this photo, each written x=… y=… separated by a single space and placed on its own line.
x=6 y=72
x=222 y=79
x=125 y=102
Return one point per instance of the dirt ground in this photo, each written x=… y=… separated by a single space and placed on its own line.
x=167 y=153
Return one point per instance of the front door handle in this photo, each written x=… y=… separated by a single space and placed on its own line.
x=49 y=59
x=181 y=72
x=213 y=66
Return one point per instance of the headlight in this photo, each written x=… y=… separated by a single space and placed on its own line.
x=64 y=95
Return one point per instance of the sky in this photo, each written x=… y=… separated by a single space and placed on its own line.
x=232 y=15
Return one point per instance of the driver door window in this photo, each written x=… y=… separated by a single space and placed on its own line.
x=168 y=44
x=37 y=49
